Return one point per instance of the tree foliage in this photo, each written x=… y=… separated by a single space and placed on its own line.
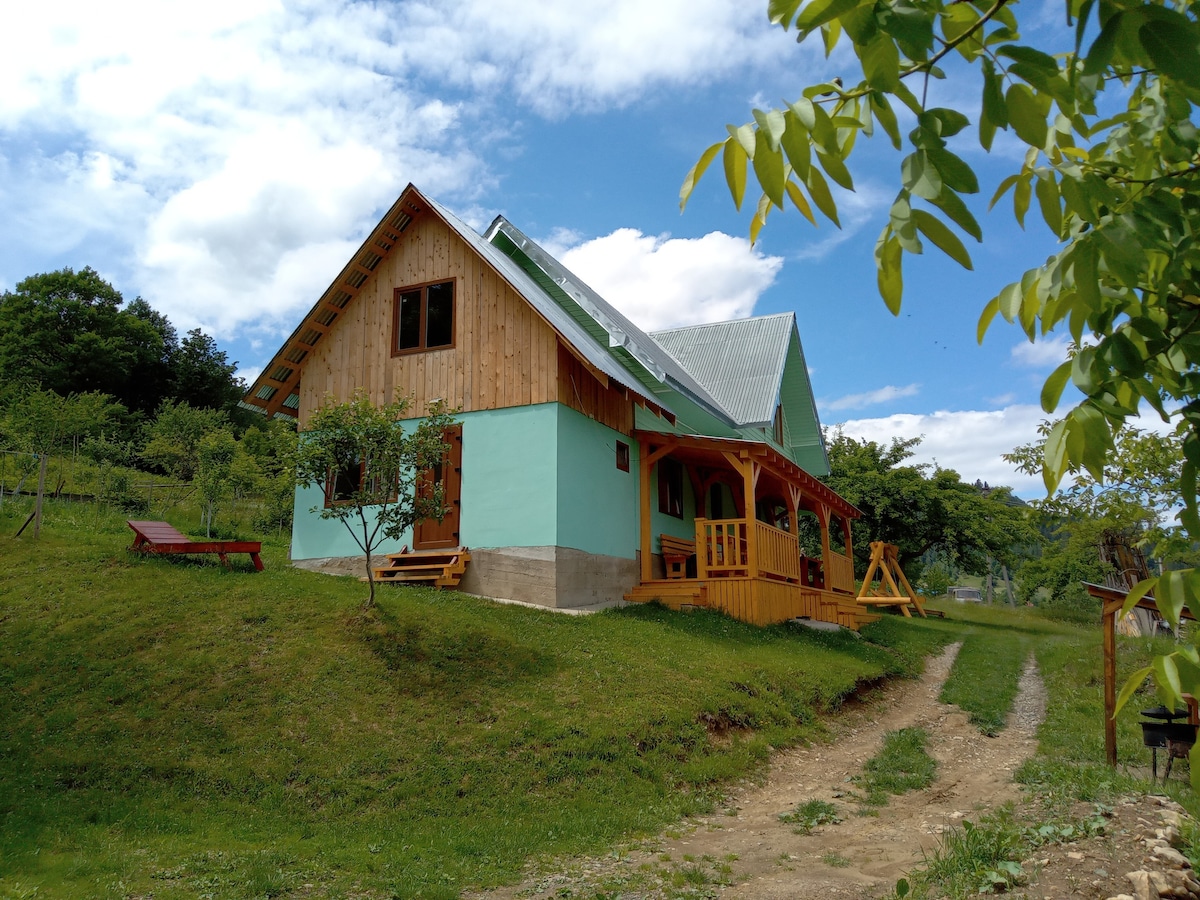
x=387 y=460
x=71 y=332
x=1104 y=111
x=922 y=508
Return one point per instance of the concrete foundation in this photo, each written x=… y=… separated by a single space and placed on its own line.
x=555 y=577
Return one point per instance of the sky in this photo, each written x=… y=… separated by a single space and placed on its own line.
x=223 y=160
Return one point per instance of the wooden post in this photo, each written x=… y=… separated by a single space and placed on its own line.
x=747 y=467
x=644 y=516
x=1111 y=609
x=37 y=509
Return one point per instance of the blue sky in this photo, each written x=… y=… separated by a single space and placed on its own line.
x=223 y=161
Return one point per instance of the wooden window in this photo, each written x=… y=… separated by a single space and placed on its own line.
x=622 y=456
x=423 y=318
x=344 y=481
x=670 y=487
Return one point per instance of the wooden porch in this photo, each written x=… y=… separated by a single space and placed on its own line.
x=745 y=567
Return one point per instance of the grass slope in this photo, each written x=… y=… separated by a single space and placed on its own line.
x=175 y=729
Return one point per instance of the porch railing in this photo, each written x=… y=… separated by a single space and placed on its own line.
x=722 y=550
x=839 y=574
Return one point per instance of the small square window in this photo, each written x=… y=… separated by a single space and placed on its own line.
x=423 y=318
x=622 y=456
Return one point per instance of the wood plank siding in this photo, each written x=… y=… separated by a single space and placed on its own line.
x=503 y=354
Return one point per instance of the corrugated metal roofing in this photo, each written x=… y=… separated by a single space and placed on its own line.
x=741 y=363
x=605 y=324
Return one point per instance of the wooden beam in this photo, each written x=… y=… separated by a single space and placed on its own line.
x=1112 y=609
x=644 y=508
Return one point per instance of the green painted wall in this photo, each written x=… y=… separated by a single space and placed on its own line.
x=597 y=502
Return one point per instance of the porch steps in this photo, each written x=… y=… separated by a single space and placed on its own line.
x=441 y=568
x=673 y=594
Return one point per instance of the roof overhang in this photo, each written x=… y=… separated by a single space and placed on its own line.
x=697 y=448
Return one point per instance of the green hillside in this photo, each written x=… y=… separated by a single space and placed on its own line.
x=173 y=729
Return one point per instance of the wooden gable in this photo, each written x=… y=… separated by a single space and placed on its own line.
x=503 y=353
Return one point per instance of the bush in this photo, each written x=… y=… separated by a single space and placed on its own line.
x=1071 y=603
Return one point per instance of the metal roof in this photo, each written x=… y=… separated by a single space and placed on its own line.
x=604 y=324
x=740 y=362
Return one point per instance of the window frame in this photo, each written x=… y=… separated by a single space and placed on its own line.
x=422 y=327
x=332 y=500
x=622 y=456
x=670 y=485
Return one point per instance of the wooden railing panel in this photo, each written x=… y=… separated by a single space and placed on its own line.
x=721 y=548
x=839 y=573
x=778 y=552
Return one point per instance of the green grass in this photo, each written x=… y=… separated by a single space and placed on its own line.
x=809 y=815
x=901 y=765
x=176 y=729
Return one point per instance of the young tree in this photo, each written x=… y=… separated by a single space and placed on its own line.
x=214 y=469
x=173 y=438
x=371 y=465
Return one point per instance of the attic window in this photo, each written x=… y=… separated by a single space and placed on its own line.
x=423 y=318
x=779 y=425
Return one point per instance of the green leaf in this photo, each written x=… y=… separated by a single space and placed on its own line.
x=770 y=123
x=695 y=173
x=1053 y=388
x=780 y=12
x=954 y=208
x=1026 y=115
x=1171 y=42
x=805 y=111
x=1028 y=55
x=796 y=143
x=1054 y=455
x=836 y=169
x=1047 y=194
x=818 y=189
x=957 y=20
x=1003 y=188
x=886 y=117
x=994 y=110
x=760 y=217
x=1170 y=596
x=735 y=171
x=1009 y=299
x=798 y=198
x=1087 y=278
x=1140 y=590
x=881 y=63
x=1100 y=54
x=919 y=175
x=955 y=172
x=823 y=130
x=902 y=223
x=819 y=12
x=744 y=135
x=768 y=168
x=1131 y=687
x=985 y=318
x=1021 y=197
x=946 y=240
x=888 y=265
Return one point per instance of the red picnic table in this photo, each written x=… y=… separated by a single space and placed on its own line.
x=160 y=537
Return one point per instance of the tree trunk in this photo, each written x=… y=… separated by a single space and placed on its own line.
x=37 y=508
x=1008 y=591
x=988 y=592
x=370 y=581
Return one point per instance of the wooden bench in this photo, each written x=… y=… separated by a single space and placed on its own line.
x=676 y=551
x=162 y=538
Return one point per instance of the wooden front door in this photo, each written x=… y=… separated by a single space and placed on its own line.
x=431 y=534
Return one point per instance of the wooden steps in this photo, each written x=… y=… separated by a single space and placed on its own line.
x=440 y=568
x=673 y=594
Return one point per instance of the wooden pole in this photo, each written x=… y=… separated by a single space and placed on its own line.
x=1111 y=609
x=37 y=508
x=644 y=508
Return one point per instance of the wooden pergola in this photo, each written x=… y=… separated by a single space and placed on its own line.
x=1113 y=600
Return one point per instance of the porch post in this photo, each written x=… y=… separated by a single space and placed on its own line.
x=644 y=508
x=748 y=466
x=826 y=545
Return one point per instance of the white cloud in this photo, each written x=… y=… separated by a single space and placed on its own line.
x=662 y=282
x=872 y=398
x=968 y=441
x=1040 y=354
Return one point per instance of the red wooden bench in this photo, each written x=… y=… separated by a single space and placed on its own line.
x=159 y=537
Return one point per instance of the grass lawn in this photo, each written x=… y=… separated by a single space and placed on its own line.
x=175 y=729
x=170 y=728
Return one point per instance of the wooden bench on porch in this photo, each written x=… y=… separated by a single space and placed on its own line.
x=163 y=538
x=441 y=568
x=676 y=551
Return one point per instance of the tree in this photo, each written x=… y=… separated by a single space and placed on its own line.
x=202 y=375
x=173 y=438
x=65 y=332
x=920 y=508
x=371 y=468
x=215 y=454
x=1116 y=177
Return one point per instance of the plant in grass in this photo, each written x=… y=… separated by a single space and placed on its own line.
x=215 y=454
x=971 y=859
x=835 y=860
x=373 y=470
x=986 y=676
x=809 y=814
x=902 y=765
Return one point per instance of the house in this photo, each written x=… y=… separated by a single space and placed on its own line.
x=592 y=461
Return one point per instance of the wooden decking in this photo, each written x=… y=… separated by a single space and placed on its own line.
x=761 y=601
x=441 y=568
